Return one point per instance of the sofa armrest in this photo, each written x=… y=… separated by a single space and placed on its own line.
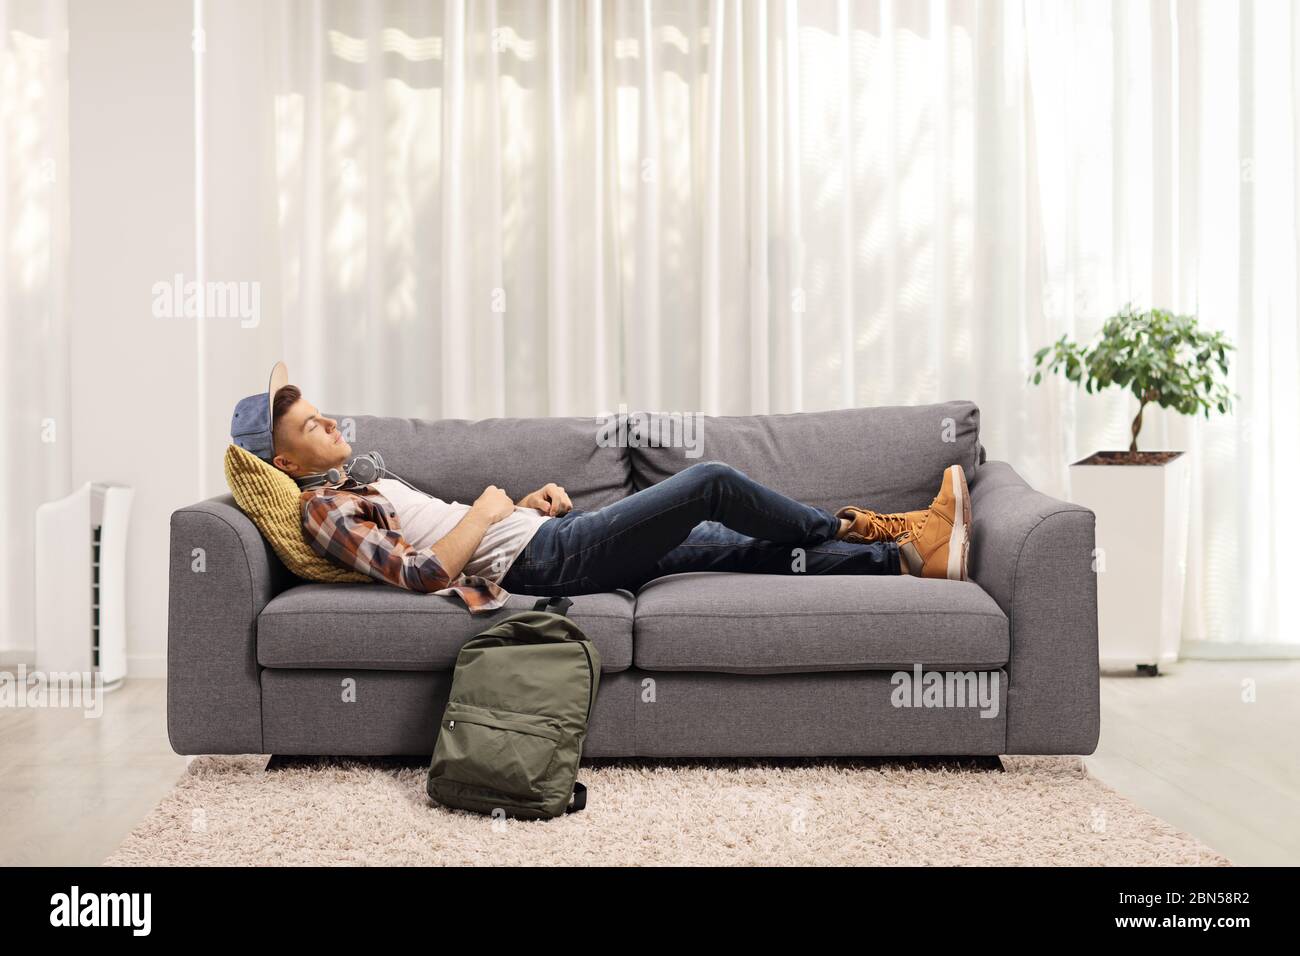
x=1034 y=556
x=222 y=573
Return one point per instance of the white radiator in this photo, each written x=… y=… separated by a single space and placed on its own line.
x=81 y=582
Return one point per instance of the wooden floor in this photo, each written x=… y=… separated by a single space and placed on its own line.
x=1187 y=746
x=1183 y=745
x=72 y=787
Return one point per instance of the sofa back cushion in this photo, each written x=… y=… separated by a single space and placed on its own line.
x=888 y=459
x=456 y=459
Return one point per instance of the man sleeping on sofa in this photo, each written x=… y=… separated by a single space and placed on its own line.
x=708 y=517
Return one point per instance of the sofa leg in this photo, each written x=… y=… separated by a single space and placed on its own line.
x=1148 y=670
x=279 y=762
x=973 y=762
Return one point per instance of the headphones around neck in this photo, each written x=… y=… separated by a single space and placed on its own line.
x=363 y=469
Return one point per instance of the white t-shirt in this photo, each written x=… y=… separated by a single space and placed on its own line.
x=426 y=520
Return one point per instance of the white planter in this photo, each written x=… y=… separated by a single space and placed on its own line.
x=1142 y=516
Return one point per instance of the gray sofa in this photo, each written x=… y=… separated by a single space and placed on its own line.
x=694 y=664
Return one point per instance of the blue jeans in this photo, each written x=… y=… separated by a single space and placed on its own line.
x=708 y=517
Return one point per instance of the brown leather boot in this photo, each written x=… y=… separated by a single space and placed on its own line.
x=867 y=526
x=937 y=545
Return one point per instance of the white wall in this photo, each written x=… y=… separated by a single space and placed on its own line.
x=132 y=223
x=137 y=416
x=238 y=211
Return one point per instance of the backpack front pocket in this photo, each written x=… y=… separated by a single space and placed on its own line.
x=495 y=749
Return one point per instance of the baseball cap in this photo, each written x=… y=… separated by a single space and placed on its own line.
x=250 y=426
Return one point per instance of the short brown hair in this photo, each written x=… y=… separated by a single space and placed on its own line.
x=285 y=398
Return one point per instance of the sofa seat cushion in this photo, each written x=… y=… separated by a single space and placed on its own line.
x=774 y=624
x=385 y=628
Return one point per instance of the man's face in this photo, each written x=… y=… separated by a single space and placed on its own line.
x=308 y=443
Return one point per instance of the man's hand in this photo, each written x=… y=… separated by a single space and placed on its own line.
x=549 y=499
x=494 y=504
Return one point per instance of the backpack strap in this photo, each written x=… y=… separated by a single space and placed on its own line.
x=579 y=798
x=556 y=605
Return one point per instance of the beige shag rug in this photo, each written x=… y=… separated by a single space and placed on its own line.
x=1041 y=810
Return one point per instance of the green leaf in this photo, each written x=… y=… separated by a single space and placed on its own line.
x=1156 y=355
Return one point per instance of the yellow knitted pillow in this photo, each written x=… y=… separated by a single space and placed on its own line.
x=270 y=498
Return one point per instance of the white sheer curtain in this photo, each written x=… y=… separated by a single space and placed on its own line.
x=527 y=208
x=1165 y=150
x=34 y=456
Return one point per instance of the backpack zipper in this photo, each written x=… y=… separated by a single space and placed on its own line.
x=591 y=677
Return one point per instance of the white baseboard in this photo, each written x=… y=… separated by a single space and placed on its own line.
x=1221 y=651
x=142 y=665
x=17 y=655
x=146 y=665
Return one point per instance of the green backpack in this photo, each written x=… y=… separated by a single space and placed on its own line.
x=512 y=733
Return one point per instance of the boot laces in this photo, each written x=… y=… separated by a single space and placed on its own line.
x=882 y=527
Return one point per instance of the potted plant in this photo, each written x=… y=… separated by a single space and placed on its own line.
x=1142 y=498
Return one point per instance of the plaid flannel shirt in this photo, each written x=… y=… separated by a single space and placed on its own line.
x=357 y=527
